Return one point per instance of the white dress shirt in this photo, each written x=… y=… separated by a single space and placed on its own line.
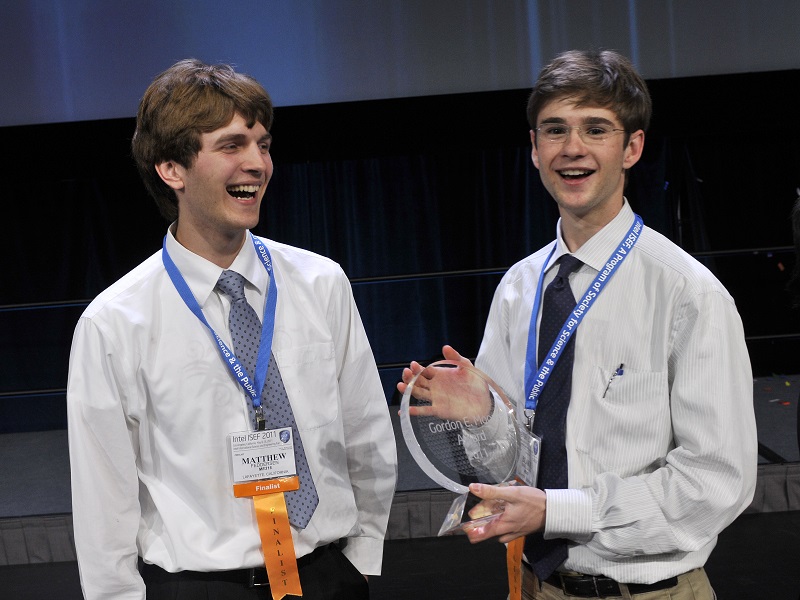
x=150 y=404
x=664 y=457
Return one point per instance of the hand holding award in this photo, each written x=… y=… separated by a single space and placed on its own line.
x=460 y=428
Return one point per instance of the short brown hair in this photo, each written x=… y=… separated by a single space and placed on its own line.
x=189 y=99
x=601 y=78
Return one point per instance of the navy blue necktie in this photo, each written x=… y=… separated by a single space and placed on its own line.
x=550 y=422
x=245 y=327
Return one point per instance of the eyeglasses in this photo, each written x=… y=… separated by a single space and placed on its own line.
x=590 y=133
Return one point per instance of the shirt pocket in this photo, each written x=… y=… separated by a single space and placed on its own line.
x=309 y=375
x=625 y=425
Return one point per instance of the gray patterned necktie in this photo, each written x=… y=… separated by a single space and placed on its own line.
x=550 y=422
x=245 y=327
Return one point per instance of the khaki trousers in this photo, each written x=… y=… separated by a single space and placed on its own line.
x=693 y=585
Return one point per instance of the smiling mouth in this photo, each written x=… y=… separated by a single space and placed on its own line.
x=575 y=173
x=243 y=192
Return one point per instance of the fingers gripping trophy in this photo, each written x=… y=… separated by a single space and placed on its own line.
x=460 y=428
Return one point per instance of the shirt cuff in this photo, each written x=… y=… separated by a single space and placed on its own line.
x=365 y=553
x=569 y=515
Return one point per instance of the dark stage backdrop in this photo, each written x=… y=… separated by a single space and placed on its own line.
x=424 y=202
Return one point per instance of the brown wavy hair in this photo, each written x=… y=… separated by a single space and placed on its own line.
x=189 y=99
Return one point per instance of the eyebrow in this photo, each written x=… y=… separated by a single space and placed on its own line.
x=239 y=138
x=585 y=121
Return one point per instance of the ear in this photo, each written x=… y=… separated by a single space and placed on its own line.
x=172 y=174
x=634 y=149
x=534 y=150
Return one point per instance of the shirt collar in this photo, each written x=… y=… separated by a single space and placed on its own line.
x=596 y=250
x=201 y=275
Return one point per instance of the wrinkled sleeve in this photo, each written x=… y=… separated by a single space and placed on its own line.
x=103 y=469
x=494 y=356
x=371 y=451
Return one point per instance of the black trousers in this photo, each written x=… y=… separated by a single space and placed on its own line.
x=329 y=576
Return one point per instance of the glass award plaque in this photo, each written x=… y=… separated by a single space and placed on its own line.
x=460 y=428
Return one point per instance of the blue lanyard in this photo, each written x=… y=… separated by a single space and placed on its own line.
x=253 y=386
x=536 y=377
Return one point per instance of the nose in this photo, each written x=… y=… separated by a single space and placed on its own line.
x=574 y=143
x=254 y=160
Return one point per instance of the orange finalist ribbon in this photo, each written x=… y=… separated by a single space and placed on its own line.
x=276 y=535
x=514 y=566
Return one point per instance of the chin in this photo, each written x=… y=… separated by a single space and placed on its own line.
x=245 y=221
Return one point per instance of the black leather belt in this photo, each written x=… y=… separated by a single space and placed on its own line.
x=591 y=586
x=248 y=577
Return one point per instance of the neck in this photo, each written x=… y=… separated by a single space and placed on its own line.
x=577 y=229
x=577 y=233
x=216 y=247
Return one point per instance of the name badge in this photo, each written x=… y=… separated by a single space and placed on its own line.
x=528 y=460
x=257 y=455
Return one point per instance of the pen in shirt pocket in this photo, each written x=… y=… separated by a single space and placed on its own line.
x=618 y=373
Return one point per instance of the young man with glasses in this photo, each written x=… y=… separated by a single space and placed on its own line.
x=646 y=426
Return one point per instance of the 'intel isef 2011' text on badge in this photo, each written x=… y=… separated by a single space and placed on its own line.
x=261 y=454
x=263 y=468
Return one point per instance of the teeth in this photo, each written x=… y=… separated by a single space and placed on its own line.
x=243 y=191
x=574 y=173
x=249 y=189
